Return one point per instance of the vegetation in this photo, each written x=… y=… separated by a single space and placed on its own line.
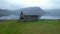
x=32 y=27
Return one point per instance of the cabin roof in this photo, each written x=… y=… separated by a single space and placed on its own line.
x=33 y=11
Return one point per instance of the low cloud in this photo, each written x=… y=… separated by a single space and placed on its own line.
x=15 y=4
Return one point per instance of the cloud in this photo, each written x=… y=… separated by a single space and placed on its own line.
x=7 y=5
x=44 y=4
x=56 y=3
x=28 y=3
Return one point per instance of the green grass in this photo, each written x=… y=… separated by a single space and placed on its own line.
x=32 y=27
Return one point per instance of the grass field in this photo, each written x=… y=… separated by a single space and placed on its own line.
x=33 y=27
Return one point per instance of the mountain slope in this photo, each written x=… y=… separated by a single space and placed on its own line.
x=4 y=12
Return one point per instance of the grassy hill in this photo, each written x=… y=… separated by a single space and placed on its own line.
x=32 y=27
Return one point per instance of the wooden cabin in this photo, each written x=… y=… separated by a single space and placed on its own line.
x=31 y=13
x=24 y=17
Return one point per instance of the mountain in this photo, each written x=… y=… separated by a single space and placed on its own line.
x=5 y=12
x=53 y=12
x=28 y=10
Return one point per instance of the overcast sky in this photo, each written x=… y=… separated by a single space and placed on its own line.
x=16 y=4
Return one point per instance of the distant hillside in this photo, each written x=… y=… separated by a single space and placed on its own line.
x=53 y=12
x=33 y=10
x=4 y=12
